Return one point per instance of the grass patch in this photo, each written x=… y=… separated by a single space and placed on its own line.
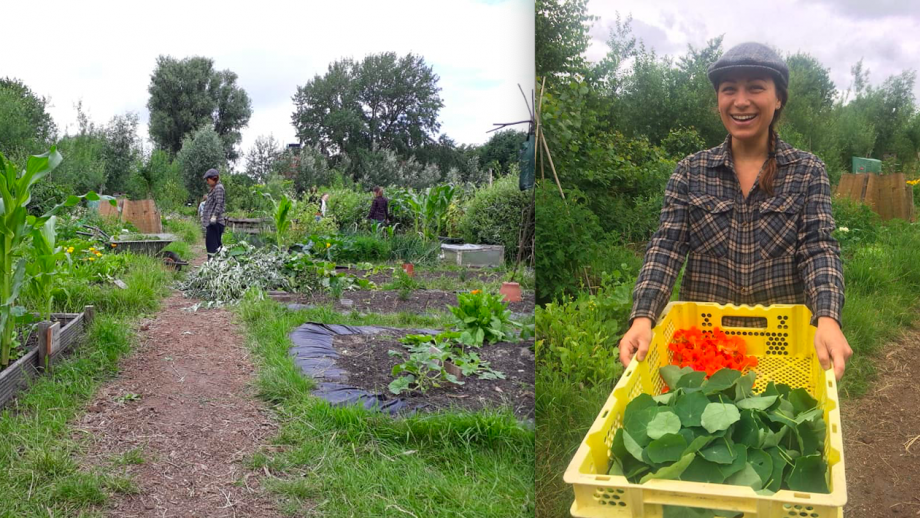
x=38 y=473
x=337 y=461
x=182 y=249
x=187 y=229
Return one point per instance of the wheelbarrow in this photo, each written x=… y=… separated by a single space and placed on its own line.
x=151 y=247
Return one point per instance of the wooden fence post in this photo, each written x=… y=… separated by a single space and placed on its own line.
x=89 y=312
x=44 y=349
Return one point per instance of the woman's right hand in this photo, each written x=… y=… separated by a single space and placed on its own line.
x=636 y=340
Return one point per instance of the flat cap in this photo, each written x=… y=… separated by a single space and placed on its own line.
x=750 y=56
x=212 y=173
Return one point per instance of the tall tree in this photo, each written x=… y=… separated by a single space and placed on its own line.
x=201 y=150
x=263 y=154
x=25 y=125
x=188 y=94
x=122 y=151
x=381 y=102
x=561 y=36
x=502 y=150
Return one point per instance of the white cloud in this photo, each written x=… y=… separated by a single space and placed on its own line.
x=104 y=52
x=836 y=32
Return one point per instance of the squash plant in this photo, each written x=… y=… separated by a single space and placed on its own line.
x=16 y=226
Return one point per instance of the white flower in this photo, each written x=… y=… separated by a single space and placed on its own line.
x=843 y=229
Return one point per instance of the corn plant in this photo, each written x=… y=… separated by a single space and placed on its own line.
x=16 y=226
x=43 y=269
x=429 y=208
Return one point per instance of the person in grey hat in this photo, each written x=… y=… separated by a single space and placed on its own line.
x=751 y=217
x=213 y=216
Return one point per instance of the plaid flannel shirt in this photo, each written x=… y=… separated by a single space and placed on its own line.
x=760 y=250
x=214 y=206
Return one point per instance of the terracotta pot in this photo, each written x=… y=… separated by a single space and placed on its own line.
x=511 y=291
x=409 y=268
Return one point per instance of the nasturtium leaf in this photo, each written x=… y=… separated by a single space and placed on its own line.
x=744 y=387
x=634 y=468
x=632 y=446
x=809 y=415
x=723 y=379
x=778 y=416
x=618 y=448
x=783 y=389
x=702 y=470
x=638 y=403
x=756 y=402
x=637 y=424
x=808 y=443
x=749 y=431
x=671 y=472
x=668 y=448
x=762 y=464
x=808 y=474
x=664 y=399
x=689 y=408
x=665 y=422
x=779 y=465
x=771 y=390
x=694 y=380
x=772 y=438
x=720 y=451
x=746 y=476
x=672 y=373
x=615 y=469
x=801 y=400
x=737 y=464
x=719 y=416
x=698 y=443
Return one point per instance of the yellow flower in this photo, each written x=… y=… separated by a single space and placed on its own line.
x=92 y=249
x=328 y=245
x=92 y=258
x=99 y=254
x=70 y=250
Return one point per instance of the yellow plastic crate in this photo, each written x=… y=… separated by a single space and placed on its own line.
x=785 y=354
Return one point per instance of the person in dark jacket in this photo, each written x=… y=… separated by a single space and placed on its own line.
x=378 y=211
x=213 y=216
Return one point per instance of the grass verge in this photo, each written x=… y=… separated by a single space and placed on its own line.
x=39 y=475
x=346 y=461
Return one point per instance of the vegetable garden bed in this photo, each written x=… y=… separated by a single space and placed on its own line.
x=49 y=340
x=389 y=301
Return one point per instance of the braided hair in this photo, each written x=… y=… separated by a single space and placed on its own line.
x=769 y=169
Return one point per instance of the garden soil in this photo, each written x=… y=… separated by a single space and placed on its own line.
x=881 y=436
x=194 y=419
x=419 y=301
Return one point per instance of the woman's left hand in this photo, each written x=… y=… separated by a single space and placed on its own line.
x=831 y=346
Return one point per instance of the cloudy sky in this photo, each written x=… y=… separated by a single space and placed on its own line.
x=885 y=33
x=103 y=53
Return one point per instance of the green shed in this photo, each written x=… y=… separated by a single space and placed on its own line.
x=866 y=165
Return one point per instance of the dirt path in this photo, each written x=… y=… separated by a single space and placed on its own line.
x=194 y=419
x=881 y=434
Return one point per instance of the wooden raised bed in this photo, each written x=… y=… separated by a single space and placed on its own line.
x=53 y=341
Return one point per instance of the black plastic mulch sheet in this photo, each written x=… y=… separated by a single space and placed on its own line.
x=314 y=354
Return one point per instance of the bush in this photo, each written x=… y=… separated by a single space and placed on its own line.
x=493 y=217
x=45 y=195
x=201 y=150
x=577 y=338
x=567 y=239
x=362 y=247
x=856 y=222
x=349 y=209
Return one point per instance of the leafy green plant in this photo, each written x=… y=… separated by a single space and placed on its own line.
x=423 y=370
x=719 y=431
x=577 y=337
x=429 y=208
x=281 y=210
x=235 y=269
x=482 y=317
x=446 y=346
x=16 y=225
x=43 y=268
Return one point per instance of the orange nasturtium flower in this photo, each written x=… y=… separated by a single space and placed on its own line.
x=114 y=245
x=709 y=352
x=476 y=292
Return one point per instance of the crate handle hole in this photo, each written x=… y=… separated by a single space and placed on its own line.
x=834 y=427
x=802 y=495
x=745 y=322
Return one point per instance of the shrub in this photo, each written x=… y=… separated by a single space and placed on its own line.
x=494 y=216
x=362 y=247
x=413 y=248
x=567 y=236
x=349 y=209
x=856 y=222
x=577 y=338
x=201 y=150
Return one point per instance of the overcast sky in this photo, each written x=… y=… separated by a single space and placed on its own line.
x=103 y=53
x=885 y=33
